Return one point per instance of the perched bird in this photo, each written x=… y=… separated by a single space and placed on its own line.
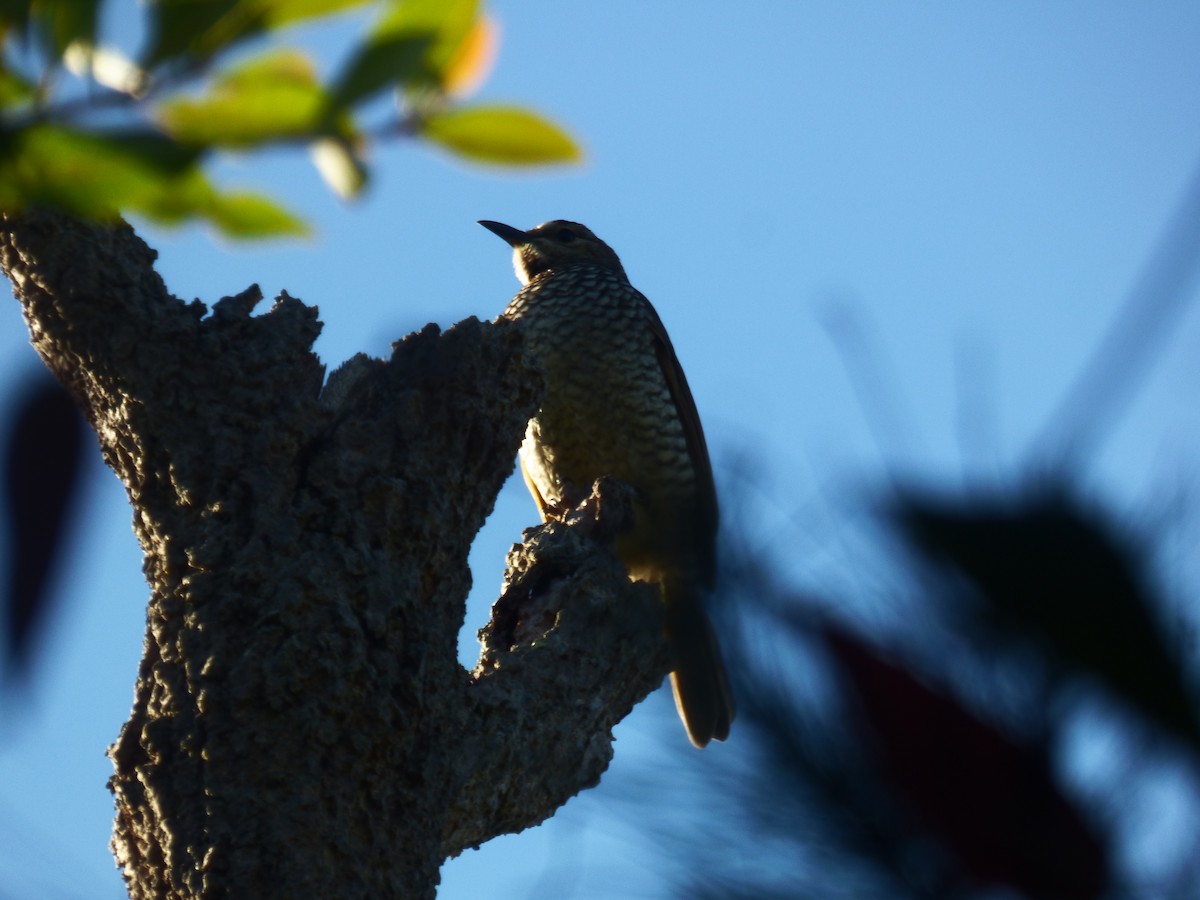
x=617 y=404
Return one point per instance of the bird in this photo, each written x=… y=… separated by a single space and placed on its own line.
x=617 y=404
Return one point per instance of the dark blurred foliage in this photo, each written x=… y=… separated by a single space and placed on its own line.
x=43 y=455
x=989 y=799
x=931 y=760
x=1051 y=571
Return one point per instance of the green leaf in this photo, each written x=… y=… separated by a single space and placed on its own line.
x=445 y=22
x=76 y=21
x=287 y=12
x=414 y=43
x=504 y=135
x=14 y=14
x=98 y=175
x=376 y=66
x=200 y=29
x=92 y=175
x=14 y=90
x=276 y=66
x=246 y=215
x=63 y=22
x=272 y=97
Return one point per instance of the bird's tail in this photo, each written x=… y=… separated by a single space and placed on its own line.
x=702 y=693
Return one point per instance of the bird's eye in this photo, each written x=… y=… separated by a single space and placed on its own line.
x=566 y=235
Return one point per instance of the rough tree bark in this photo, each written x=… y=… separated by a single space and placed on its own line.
x=301 y=725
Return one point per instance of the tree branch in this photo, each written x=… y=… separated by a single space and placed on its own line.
x=571 y=647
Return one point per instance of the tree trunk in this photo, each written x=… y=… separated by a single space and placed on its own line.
x=301 y=725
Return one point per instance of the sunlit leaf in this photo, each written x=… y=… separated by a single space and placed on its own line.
x=500 y=134
x=273 y=97
x=340 y=166
x=106 y=67
x=275 y=66
x=245 y=215
x=286 y=12
x=447 y=22
x=473 y=62
x=413 y=43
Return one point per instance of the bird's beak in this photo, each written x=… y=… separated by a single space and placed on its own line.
x=514 y=237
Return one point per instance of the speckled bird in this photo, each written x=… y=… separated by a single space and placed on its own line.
x=617 y=404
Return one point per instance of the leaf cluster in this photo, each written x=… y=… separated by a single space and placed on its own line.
x=91 y=131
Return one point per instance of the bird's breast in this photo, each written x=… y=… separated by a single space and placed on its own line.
x=608 y=408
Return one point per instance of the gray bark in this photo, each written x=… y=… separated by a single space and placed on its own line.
x=301 y=726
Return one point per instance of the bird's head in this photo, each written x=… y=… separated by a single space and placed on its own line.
x=554 y=245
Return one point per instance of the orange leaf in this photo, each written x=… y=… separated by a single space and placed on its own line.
x=474 y=59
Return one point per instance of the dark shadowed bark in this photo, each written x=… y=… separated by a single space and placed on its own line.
x=301 y=726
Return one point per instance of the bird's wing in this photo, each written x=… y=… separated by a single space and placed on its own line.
x=681 y=394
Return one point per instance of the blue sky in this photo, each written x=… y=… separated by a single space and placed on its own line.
x=976 y=184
